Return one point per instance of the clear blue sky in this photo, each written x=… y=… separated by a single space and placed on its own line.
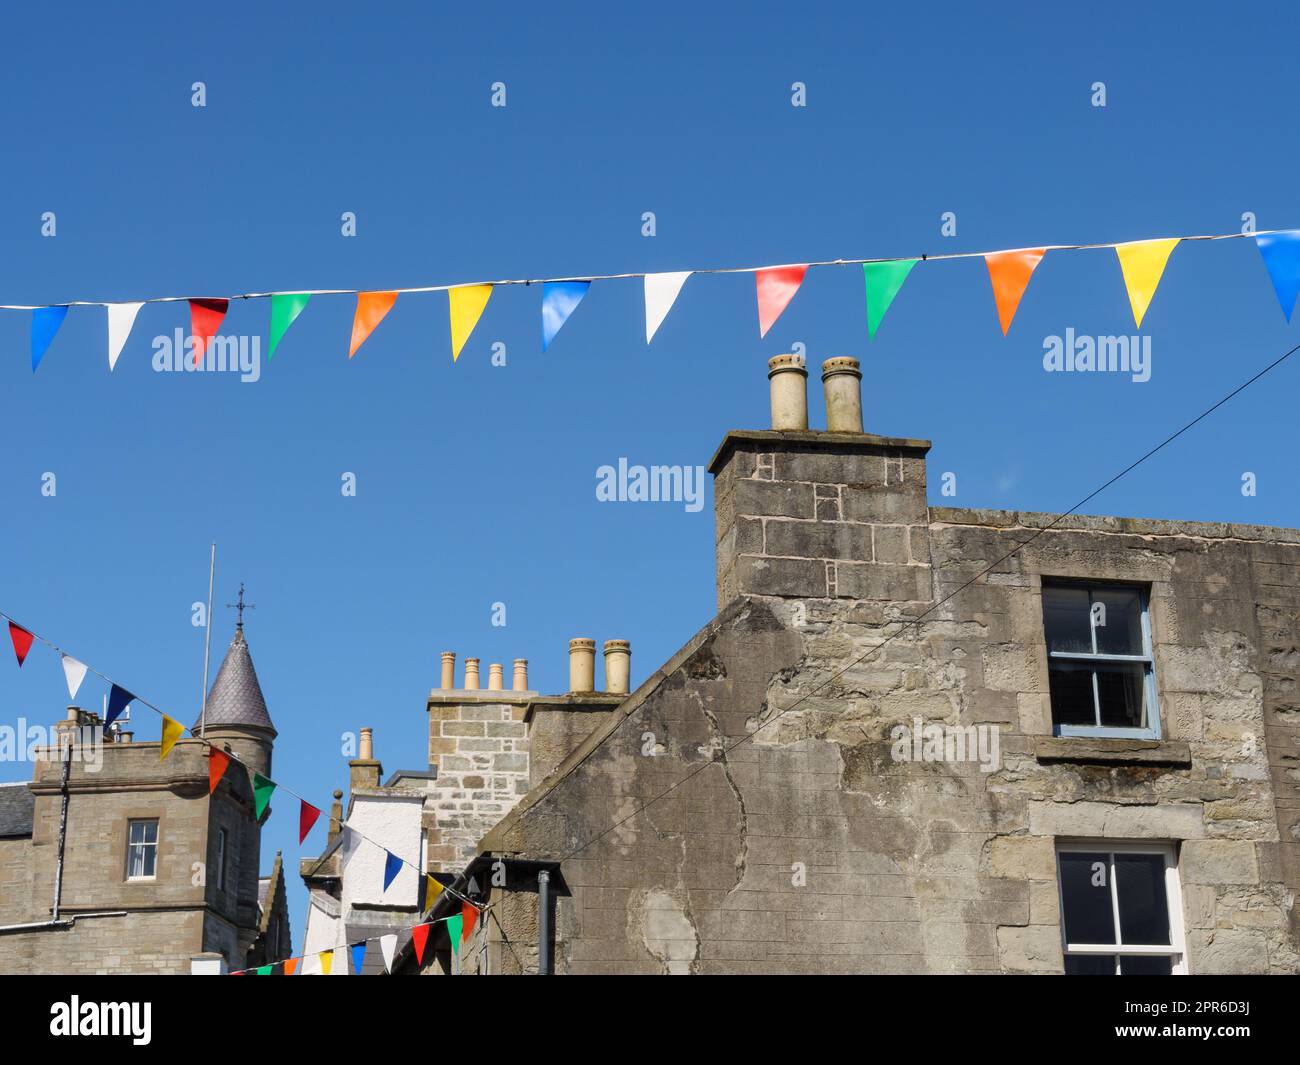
x=476 y=484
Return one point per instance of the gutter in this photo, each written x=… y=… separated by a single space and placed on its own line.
x=60 y=923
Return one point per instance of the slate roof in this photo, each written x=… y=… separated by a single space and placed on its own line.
x=17 y=810
x=236 y=696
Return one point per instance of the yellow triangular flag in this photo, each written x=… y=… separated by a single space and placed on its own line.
x=326 y=961
x=1143 y=264
x=172 y=731
x=466 y=304
x=435 y=889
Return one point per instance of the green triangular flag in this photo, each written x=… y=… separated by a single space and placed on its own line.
x=264 y=970
x=262 y=789
x=454 y=927
x=883 y=282
x=284 y=309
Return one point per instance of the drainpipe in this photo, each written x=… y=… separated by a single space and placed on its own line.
x=63 y=832
x=543 y=922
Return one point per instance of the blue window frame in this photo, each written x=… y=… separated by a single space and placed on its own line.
x=1099 y=660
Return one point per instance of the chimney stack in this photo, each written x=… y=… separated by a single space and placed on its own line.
x=618 y=666
x=842 y=380
x=364 y=771
x=582 y=665
x=789 y=386
x=495 y=677
x=448 y=669
x=471 y=674
x=367 y=750
x=521 y=675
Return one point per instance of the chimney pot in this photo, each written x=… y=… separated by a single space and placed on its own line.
x=618 y=666
x=582 y=665
x=788 y=380
x=521 y=675
x=448 y=669
x=471 y=674
x=842 y=379
x=366 y=752
x=495 y=677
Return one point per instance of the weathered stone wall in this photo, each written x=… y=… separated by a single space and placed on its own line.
x=792 y=840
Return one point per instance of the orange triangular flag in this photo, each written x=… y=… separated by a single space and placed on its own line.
x=1010 y=272
x=776 y=287
x=419 y=936
x=469 y=914
x=217 y=762
x=371 y=308
x=291 y=966
x=172 y=730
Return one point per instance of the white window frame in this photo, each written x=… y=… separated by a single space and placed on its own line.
x=1176 y=951
x=132 y=846
x=1147 y=660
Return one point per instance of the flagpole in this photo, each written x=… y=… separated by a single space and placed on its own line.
x=207 y=645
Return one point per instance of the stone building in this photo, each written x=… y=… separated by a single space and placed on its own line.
x=914 y=739
x=114 y=861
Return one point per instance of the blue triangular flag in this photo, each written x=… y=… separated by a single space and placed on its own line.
x=118 y=700
x=358 y=956
x=392 y=866
x=45 y=323
x=1281 y=252
x=559 y=299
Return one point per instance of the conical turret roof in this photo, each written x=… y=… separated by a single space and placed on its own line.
x=236 y=696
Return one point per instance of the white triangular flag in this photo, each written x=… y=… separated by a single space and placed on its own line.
x=388 y=944
x=121 y=317
x=74 y=672
x=660 y=293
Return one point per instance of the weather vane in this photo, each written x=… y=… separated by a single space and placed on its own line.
x=241 y=606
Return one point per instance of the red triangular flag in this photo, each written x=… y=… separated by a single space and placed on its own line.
x=217 y=762
x=776 y=288
x=307 y=815
x=22 y=641
x=205 y=320
x=419 y=936
x=1010 y=272
x=469 y=914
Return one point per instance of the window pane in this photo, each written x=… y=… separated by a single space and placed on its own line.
x=1090 y=965
x=1155 y=966
x=1073 y=702
x=1143 y=904
x=1085 y=897
x=1122 y=632
x=1122 y=689
x=1065 y=619
x=150 y=855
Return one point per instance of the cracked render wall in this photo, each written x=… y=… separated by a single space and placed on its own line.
x=809 y=849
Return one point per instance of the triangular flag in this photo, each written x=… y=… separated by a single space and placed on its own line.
x=469 y=912
x=453 y=932
x=217 y=762
x=1009 y=271
x=291 y=966
x=660 y=294
x=284 y=309
x=121 y=317
x=419 y=936
x=205 y=320
x=74 y=673
x=118 y=700
x=265 y=970
x=262 y=789
x=432 y=889
x=1281 y=252
x=172 y=731
x=466 y=303
x=371 y=308
x=45 y=323
x=1143 y=264
x=776 y=287
x=358 y=956
x=22 y=641
x=883 y=281
x=392 y=866
x=559 y=300
x=307 y=815
x=326 y=962
x=388 y=944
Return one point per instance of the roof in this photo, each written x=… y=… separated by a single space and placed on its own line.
x=17 y=810
x=236 y=696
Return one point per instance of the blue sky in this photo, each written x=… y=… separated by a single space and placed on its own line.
x=476 y=484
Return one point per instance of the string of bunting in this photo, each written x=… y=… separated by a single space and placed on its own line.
x=1142 y=265
x=119 y=698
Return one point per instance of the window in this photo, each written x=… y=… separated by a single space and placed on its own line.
x=141 y=850
x=1099 y=661
x=221 y=859
x=1121 y=909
